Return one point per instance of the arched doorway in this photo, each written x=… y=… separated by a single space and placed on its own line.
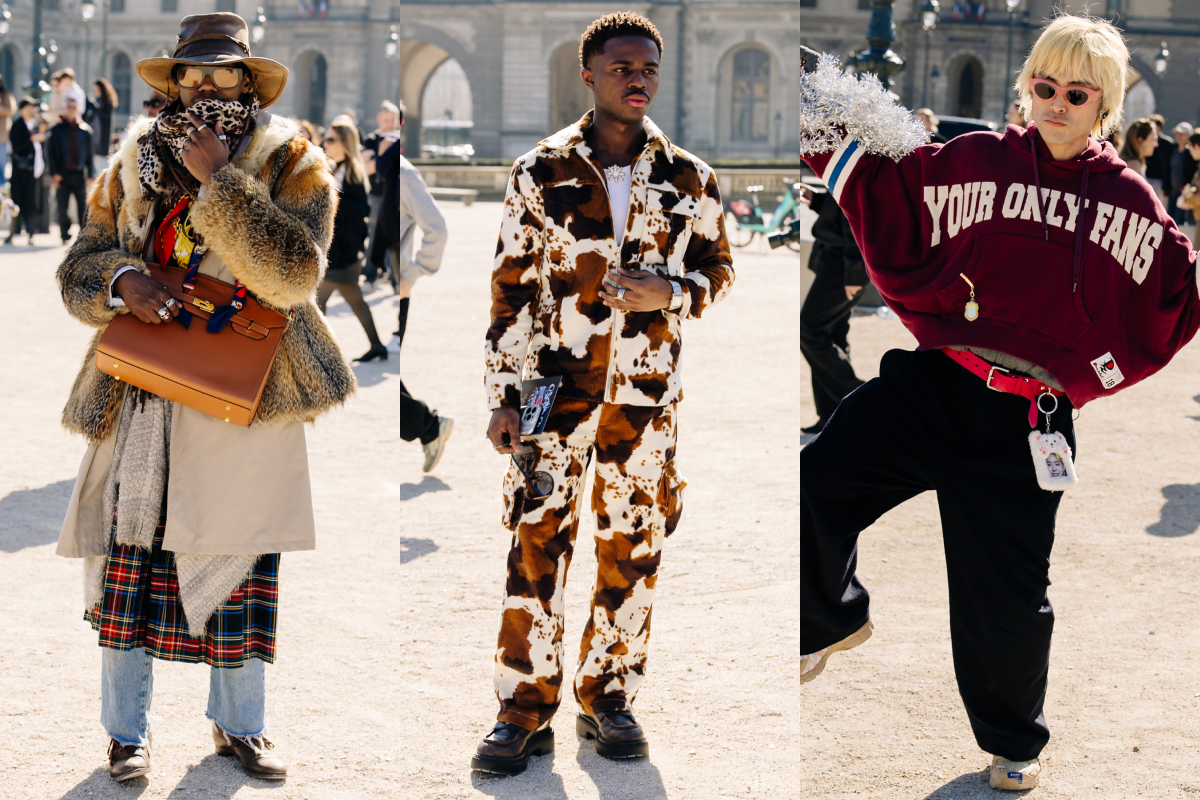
x=1139 y=100
x=569 y=95
x=310 y=78
x=120 y=71
x=417 y=61
x=751 y=102
x=966 y=86
x=446 y=112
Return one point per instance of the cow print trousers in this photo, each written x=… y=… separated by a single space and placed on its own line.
x=636 y=501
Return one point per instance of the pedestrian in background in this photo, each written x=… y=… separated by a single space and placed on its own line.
x=840 y=280
x=1014 y=115
x=24 y=161
x=311 y=132
x=930 y=121
x=7 y=107
x=70 y=165
x=40 y=171
x=1158 y=163
x=1139 y=145
x=106 y=101
x=388 y=120
x=1183 y=167
x=155 y=103
x=1189 y=196
x=64 y=88
x=349 y=231
x=406 y=205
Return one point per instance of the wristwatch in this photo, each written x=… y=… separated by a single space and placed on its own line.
x=676 y=296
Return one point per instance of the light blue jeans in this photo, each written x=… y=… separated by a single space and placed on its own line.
x=3 y=162
x=236 y=697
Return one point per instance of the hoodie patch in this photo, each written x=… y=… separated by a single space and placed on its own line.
x=1107 y=370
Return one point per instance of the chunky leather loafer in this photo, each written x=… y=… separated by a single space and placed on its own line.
x=253 y=752
x=507 y=748
x=126 y=762
x=617 y=734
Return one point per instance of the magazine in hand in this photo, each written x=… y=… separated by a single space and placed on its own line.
x=537 y=398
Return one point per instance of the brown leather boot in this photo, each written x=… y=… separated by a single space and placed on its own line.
x=617 y=733
x=125 y=762
x=252 y=752
x=507 y=748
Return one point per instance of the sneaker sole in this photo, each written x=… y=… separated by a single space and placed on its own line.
x=444 y=436
x=851 y=641
x=586 y=727
x=539 y=744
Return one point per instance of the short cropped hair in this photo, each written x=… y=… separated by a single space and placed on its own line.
x=1159 y=120
x=1089 y=50
x=623 y=23
x=387 y=106
x=1194 y=139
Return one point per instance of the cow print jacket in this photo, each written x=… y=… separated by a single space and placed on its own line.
x=557 y=241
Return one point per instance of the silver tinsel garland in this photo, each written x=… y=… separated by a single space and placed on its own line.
x=834 y=104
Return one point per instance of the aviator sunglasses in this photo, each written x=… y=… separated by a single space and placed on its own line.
x=1076 y=95
x=191 y=77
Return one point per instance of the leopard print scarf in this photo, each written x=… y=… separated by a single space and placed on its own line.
x=160 y=150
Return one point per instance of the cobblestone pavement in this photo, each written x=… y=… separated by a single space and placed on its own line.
x=383 y=682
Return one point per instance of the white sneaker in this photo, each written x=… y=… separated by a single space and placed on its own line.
x=393 y=345
x=812 y=665
x=368 y=287
x=1014 y=775
x=433 y=450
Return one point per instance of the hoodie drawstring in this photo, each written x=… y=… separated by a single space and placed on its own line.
x=1078 y=264
x=1037 y=182
x=1079 y=232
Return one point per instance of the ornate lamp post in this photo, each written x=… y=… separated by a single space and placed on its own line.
x=879 y=58
x=258 y=30
x=929 y=20
x=1161 y=59
x=37 y=70
x=87 y=10
x=1012 y=18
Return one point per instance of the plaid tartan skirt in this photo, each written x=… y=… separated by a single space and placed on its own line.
x=141 y=608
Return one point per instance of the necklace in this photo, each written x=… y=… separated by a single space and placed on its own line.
x=614 y=174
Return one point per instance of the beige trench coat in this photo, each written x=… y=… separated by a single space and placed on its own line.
x=231 y=490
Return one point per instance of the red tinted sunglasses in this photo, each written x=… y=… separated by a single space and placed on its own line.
x=1076 y=95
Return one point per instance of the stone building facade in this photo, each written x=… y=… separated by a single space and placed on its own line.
x=970 y=62
x=729 y=83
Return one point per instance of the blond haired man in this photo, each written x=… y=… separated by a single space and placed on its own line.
x=1037 y=273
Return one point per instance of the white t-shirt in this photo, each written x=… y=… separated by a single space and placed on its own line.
x=618 y=200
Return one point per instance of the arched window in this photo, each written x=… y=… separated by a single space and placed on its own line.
x=8 y=69
x=315 y=112
x=751 y=96
x=968 y=89
x=569 y=95
x=121 y=72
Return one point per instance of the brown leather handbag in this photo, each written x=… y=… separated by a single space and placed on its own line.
x=220 y=374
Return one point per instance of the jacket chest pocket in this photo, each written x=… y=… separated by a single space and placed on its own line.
x=669 y=216
x=1025 y=282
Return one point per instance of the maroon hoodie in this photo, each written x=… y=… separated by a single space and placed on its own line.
x=1100 y=304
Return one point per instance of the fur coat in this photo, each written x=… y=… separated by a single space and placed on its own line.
x=276 y=246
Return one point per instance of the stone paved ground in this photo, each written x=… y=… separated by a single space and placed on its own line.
x=383 y=681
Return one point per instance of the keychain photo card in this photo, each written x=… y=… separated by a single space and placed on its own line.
x=1052 y=461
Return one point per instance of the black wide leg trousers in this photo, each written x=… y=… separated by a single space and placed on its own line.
x=926 y=424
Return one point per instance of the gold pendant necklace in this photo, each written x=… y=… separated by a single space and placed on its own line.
x=971 y=312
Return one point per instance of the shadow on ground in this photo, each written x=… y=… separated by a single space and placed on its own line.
x=537 y=782
x=972 y=786
x=213 y=778
x=412 y=549
x=428 y=484
x=374 y=372
x=628 y=779
x=1181 y=514
x=33 y=517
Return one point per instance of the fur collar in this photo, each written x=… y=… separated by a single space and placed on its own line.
x=271 y=133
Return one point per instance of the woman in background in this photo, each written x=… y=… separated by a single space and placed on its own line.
x=105 y=102
x=1140 y=141
x=349 y=230
x=25 y=141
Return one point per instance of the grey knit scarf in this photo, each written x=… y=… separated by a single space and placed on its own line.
x=137 y=481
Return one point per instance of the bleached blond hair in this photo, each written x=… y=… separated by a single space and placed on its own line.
x=1085 y=49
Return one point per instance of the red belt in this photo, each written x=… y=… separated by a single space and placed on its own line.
x=1001 y=380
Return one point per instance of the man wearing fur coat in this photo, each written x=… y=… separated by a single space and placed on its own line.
x=181 y=517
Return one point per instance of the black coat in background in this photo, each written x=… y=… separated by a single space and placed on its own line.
x=24 y=188
x=102 y=122
x=58 y=149
x=349 y=234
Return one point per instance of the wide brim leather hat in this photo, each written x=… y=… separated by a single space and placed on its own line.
x=215 y=39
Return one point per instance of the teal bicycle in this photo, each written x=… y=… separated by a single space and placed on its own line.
x=744 y=221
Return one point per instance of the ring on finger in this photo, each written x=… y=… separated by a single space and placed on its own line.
x=191 y=131
x=203 y=125
x=163 y=313
x=621 y=294
x=170 y=302
x=222 y=136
